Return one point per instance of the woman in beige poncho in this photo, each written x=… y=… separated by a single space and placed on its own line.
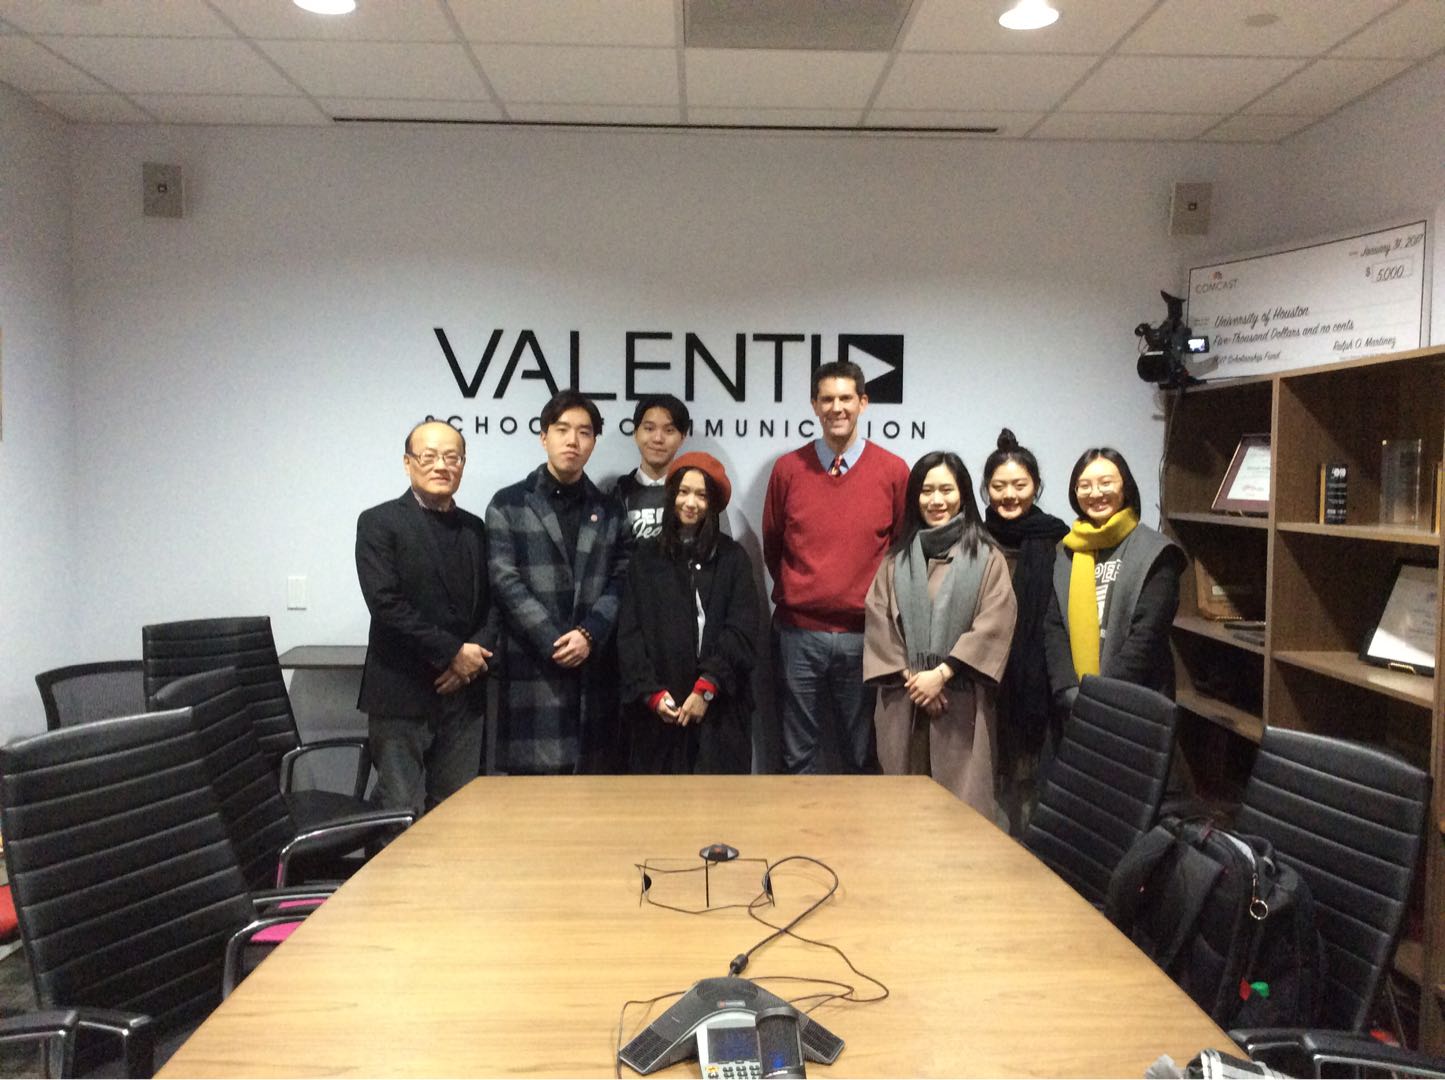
x=938 y=622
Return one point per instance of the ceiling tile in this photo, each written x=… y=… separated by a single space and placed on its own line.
x=1084 y=26
x=1253 y=128
x=795 y=79
x=29 y=67
x=1129 y=125
x=94 y=108
x=1414 y=31
x=394 y=109
x=173 y=65
x=1326 y=85
x=841 y=118
x=416 y=20
x=568 y=22
x=595 y=114
x=171 y=18
x=225 y=109
x=1219 y=27
x=552 y=73
x=1010 y=124
x=378 y=69
x=963 y=82
x=1181 y=85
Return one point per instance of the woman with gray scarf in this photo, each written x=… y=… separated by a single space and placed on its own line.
x=938 y=623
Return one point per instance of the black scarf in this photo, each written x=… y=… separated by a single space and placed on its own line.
x=1035 y=536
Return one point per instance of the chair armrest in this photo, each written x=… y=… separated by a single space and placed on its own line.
x=136 y=1032
x=53 y=1029
x=357 y=827
x=263 y=899
x=1345 y=1048
x=363 y=761
x=1281 y=1049
x=232 y=972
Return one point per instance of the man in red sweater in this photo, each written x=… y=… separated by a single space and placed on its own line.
x=832 y=508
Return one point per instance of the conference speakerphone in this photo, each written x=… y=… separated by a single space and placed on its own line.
x=727 y=1008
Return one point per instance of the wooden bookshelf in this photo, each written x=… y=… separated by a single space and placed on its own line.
x=1317 y=587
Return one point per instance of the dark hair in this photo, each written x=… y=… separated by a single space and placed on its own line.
x=1109 y=454
x=839 y=369
x=681 y=419
x=973 y=530
x=1009 y=450
x=423 y=424
x=563 y=400
x=670 y=539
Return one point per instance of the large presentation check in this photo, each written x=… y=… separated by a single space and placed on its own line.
x=1337 y=300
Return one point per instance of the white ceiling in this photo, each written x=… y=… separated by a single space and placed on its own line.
x=1214 y=70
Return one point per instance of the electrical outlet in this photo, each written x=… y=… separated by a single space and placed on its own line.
x=296 y=592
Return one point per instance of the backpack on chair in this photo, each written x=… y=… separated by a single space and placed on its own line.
x=1225 y=919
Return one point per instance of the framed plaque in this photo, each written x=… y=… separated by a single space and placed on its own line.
x=1403 y=637
x=1245 y=489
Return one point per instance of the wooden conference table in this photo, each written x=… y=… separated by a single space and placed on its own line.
x=502 y=934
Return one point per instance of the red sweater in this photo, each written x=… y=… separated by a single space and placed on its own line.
x=824 y=536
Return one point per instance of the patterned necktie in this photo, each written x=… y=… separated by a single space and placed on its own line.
x=837 y=469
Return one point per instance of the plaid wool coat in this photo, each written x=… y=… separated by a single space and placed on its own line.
x=551 y=718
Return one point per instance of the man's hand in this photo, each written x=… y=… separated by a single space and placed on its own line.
x=692 y=710
x=571 y=649
x=469 y=662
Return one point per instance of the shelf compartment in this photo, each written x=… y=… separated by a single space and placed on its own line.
x=1326 y=595
x=1245 y=724
x=1349 y=668
x=1228 y=520
x=1215 y=631
x=1386 y=534
x=1341 y=415
x=1205 y=425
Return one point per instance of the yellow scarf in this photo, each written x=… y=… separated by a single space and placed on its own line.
x=1083 y=540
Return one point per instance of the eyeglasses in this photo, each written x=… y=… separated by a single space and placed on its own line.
x=1104 y=487
x=427 y=458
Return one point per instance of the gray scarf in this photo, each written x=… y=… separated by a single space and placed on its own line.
x=932 y=626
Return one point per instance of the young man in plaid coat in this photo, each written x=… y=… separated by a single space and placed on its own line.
x=557 y=562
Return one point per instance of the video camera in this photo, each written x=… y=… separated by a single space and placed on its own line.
x=1166 y=350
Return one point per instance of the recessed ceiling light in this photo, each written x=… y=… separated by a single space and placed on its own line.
x=326 y=7
x=1029 y=15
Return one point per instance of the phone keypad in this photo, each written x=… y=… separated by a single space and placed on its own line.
x=735 y=1070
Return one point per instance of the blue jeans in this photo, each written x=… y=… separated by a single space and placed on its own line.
x=820 y=678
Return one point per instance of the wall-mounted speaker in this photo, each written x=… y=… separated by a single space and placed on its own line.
x=162 y=191
x=1189 y=209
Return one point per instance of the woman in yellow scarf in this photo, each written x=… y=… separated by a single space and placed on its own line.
x=1116 y=586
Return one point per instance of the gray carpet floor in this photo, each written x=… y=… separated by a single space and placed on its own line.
x=17 y=996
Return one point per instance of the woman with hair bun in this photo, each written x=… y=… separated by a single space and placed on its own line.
x=687 y=633
x=1028 y=538
x=937 y=625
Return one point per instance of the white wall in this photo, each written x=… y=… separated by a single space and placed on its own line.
x=39 y=628
x=245 y=375
x=1378 y=162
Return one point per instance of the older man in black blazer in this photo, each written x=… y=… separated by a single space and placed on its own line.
x=422 y=564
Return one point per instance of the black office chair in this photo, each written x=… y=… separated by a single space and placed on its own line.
x=171 y=650
x=259 y=820
x=51 y=1031
x=1350 y=819
x=83 y=692
x=1102 y=790
x=132 y=907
